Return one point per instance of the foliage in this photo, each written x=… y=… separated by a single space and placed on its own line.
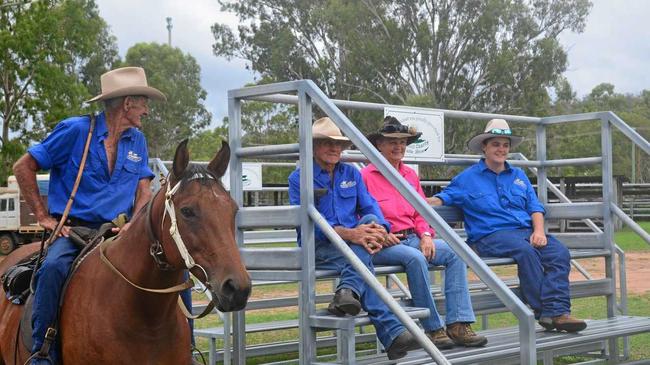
x=9 y=153
x=53 y=50
x=178 y=76
x=205 y=144
x=583 y=139
x=497 y=55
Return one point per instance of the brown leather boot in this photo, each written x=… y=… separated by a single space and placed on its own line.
x=563 y=322
x=462 y=334
x=401 y=345
x=440 y=339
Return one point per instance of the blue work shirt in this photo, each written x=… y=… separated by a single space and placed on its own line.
x=492 y=202
x=344 y=200
x=100 y=196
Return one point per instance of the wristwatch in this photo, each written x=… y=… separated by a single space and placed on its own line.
x=426 y=234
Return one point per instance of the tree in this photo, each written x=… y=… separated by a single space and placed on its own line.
x=52 y=55
x=490 y=56
x=178 y=76
x=583 y=139
x=207 y=142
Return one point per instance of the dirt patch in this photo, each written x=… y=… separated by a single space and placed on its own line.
x=637 y=271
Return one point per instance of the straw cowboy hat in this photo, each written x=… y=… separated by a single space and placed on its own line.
x=324 y=128
x=126 y=81
x=494 y=128
x=392 y=128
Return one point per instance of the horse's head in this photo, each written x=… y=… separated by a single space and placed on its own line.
x=205 y=220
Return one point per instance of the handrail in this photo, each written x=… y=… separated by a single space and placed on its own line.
x=630 y=223
x=511 y=301
x=629 y=132
x=374 y=284
x=363 y=105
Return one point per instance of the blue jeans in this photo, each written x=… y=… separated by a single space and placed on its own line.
x=49 y=281
x=543 y=272
x=328 y=257
x=457 y=300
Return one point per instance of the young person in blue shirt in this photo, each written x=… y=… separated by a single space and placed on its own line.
x=356 y=217
x=116 y=179
x=504 y=218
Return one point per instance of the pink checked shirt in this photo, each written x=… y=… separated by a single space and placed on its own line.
x=397 y=210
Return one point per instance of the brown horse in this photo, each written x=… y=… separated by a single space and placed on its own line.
x=104 y=319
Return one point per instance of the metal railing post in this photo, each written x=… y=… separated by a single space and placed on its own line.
x=236 y=192
x=608 y=224
x=307 y=303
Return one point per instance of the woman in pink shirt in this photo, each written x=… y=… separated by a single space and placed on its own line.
x=410 y=244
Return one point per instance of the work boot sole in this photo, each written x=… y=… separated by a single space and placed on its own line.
x=566 y=327
x=480 y=342
x=341 y=309
x=571 y=327
x=444 y=345
x=398 y=353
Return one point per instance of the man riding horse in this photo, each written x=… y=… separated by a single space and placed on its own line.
x=116 y=179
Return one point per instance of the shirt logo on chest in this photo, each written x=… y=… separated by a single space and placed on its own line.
x=132 y=156
x=348 y=184
x=520 y=182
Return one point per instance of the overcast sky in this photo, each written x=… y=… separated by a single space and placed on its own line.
x=614 y=48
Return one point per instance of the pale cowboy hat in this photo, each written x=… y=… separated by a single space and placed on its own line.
x=494 y=128
x=126 y=81
x=324 y=128
x=392 y=128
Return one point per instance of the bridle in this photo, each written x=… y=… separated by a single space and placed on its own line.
x=157 y=252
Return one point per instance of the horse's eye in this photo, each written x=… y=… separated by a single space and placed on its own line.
x=187 y=212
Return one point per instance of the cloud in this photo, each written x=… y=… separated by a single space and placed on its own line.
x=614 y=48
x=145 y=21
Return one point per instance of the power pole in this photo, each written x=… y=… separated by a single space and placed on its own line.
x=169 y=31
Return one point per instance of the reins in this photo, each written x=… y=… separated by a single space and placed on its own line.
x=157 y=253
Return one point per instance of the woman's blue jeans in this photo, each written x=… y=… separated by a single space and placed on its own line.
x=458 y=303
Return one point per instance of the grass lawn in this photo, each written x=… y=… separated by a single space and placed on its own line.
x=629 y=241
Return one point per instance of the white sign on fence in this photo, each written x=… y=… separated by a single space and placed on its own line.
x=431 y=145
x=251 y=177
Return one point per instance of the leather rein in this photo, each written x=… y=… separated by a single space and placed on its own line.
x=158 y=254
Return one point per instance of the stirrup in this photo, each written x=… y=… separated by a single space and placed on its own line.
x=44 y=351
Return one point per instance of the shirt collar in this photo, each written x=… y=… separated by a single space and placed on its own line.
x=484 y=167
x=102 y=128
x=319 y=170
x=402 y=168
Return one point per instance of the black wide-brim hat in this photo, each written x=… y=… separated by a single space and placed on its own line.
x=392 y=128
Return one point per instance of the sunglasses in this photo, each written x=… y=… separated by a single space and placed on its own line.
x=500 y=131
x=392 y=128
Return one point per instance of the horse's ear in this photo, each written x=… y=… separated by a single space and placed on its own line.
x=219 y=163
x=181 y=160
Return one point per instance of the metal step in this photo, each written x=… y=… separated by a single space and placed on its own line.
x=504 y=342
x=323 y=320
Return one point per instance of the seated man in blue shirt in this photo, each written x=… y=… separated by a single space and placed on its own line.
x=116 y=179
x=504 y=218
x=355 y=216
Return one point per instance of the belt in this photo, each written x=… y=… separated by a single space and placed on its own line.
x=405 y=232
x=76 y=222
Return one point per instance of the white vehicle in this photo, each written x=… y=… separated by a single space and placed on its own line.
x=17 y=222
